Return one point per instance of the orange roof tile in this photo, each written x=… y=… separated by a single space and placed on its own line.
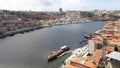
x=98 y=39
x=71 y=66
x=105 y=35
x=110 y=48
x=88 y=61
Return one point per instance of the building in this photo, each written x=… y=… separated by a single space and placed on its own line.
x=86 y=62
x=91 y=46
x=113 y=60
x=95 y=43
x=60 y=10
x=89 y=61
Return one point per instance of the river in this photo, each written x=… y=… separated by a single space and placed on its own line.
x=30 y=50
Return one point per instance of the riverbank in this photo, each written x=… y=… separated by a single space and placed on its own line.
x=72 y=22
x=11 y=33
x=104 y=44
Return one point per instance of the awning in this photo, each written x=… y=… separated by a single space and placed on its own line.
x=114 y=55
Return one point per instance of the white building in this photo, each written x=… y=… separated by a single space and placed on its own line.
x=92 y=46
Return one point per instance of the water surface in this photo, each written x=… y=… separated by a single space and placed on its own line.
x=30 y=50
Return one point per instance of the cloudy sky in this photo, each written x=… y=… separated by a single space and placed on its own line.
x=54 y=5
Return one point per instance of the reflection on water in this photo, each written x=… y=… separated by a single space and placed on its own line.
x=30 y=50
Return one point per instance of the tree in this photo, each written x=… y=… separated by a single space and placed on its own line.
x=1 y=33
x=87 y=14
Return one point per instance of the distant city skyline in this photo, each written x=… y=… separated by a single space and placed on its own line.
x=54 y=5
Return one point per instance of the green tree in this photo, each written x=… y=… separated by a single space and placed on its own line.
x=87 y=14
x=1 y=33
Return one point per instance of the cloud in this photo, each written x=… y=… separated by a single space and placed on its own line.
x=54 y=5
x=102 y=4
x=73 y=5
x=46 y=3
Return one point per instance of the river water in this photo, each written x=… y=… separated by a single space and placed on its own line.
x=30 y=50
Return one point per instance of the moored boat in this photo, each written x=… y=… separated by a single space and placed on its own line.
x=58 y=52
x=77 y=53
x=87 y=36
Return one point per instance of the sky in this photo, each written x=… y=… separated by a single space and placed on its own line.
x=54 y=5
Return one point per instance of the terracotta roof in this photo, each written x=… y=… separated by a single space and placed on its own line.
x=71 y=66
x=110 y=48
x=98 y=39
x=105 y=35
x=91 y=61
x=117 y=24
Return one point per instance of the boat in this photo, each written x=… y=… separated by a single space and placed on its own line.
x=57 y=53
x=87 y=36
x=82 y=41
x=98 y=31
x=77 y=53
